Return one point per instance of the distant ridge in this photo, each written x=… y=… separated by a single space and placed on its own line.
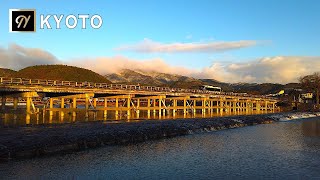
x=153 y=78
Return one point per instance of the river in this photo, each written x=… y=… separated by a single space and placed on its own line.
x=282 y=150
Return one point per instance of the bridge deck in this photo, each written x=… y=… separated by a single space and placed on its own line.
x=9 y=85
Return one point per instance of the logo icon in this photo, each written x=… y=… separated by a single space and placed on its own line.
x=22 y=20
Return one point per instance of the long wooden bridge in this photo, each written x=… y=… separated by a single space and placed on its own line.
x=58 y=95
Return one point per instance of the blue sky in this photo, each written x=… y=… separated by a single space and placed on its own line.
x=280 y=28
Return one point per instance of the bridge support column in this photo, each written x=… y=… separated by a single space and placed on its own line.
x=247 y=105
x=74 y=106
x=62 y=103
x=258 y=107
x=221 y=106
x=50 y=106
x=174 y=107
x=15 y=103
x=203 y=103
x=217 y=107
x=164 y=110
x=163 y=101
x=148 y=105
x=159 y=108
x=273 y=107
x=87 y=108
x=226 y=107
x=3 y=102
x=105 y=112
x=62 y=107
x=154 y=107
x=266 y=106
x=138 y=108
x=87 y=103
x=117 y=106
x=184 y=106
x=242 y=106
x=128 y=108
x=194 y=107
x=28 y=110
x=95 y=102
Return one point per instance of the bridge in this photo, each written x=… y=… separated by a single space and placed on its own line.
x=56 y=95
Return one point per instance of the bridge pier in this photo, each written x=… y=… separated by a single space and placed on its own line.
x=203 y=103
x=159 y=103
x=105 y=112
x=15 y=103
x=74 y=107
x=148 y=106
x=117 y=107
x=174 y=107
x=138 y=108
x=154 y=107
x=62 y=106
x=3 y=102
x=129 y=109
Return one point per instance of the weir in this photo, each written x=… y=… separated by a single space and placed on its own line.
x=124 y=100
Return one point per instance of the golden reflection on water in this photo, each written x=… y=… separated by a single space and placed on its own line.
x=41 y=116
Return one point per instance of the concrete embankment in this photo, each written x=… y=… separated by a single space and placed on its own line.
x=42 y=140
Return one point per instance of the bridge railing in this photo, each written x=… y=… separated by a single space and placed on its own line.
x=59 y=83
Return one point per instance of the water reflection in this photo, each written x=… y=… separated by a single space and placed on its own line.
x=269 y=151
x=311 y=128
x=42 y=116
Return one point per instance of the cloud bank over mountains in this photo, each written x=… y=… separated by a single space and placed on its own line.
x=279 y=69
x=150 y=46
x=16 y=57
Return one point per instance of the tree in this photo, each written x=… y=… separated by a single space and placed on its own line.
x=312 y=82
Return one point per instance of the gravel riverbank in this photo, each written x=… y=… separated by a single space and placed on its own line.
x=42 y=140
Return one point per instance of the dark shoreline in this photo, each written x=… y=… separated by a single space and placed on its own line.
x=45 y=140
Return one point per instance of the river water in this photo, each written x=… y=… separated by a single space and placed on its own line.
x=283 y=150
x=11 y=118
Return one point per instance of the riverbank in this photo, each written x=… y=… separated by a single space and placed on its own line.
x=44 y=140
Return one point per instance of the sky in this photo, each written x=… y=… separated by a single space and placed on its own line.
x=231 y=41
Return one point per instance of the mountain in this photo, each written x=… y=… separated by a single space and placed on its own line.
x=153 y=78
x=55 y=72
x=254 y=88
x=133 y=77
x=7 y=72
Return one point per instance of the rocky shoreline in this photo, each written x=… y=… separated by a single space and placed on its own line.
x=44 y=140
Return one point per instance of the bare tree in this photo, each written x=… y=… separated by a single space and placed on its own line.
x=312 y=82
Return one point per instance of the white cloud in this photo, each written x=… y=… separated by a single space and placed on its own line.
x=279 y=69
x=17 y=57
x=106 y=65
x=149 y=46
